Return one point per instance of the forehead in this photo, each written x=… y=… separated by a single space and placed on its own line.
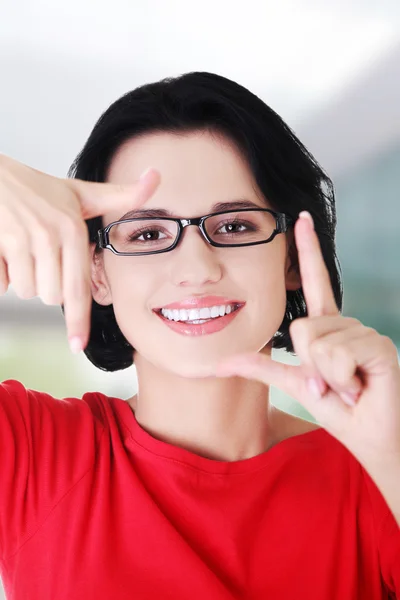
x=198 y=169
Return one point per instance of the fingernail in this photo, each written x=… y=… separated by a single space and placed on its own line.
x=314 y=388
x=349 y=398
x=306 y=215
x=75 y=344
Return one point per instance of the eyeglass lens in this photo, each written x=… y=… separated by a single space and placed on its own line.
x=150 y=235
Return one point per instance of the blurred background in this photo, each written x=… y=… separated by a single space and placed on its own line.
x=330 y=68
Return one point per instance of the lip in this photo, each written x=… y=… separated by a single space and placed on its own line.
x=200 y=302
x=212 y=326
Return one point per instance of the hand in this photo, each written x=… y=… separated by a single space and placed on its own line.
x=44 y=245
x=349 y=378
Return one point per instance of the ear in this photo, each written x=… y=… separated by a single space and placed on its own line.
x=101 y=290
x=292 y=268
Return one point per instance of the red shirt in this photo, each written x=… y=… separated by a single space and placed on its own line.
x=92 y=506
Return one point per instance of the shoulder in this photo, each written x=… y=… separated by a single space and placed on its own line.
x=41 y=412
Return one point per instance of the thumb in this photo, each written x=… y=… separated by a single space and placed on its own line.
x=292 y=380
x=262 y=368
x=96 y=199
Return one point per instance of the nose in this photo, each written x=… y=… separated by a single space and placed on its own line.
x=194 y=262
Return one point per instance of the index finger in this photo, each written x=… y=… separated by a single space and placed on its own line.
x=77 y=290
x=314 y=274
x=97 y=199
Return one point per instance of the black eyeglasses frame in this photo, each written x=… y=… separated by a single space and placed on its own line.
x=283 y=222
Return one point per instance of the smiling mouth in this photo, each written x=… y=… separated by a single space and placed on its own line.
x=200 y=321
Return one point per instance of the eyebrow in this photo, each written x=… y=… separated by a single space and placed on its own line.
x=162 y=212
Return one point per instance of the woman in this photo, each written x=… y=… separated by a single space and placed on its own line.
x=196 y=486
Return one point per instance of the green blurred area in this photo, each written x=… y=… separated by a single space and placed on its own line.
x=41 y=360
x=368 y=242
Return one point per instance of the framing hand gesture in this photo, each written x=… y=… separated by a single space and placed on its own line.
x=349 y=379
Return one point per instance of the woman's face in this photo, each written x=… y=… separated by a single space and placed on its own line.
x=197 y=171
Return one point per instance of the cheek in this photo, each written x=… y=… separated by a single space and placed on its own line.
x=261 y=271
x=269 y=299
x=261 y=277
x=133 y=288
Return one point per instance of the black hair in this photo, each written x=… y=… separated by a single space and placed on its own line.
x=284 y=170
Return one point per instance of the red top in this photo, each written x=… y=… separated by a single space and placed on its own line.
x=94 y=507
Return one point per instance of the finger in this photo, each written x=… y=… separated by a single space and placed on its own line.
x=20 y=263
x=336 y=363
x=46 y=251
x=328 y=412
x=315 y=278
x=288 y=378
x=343 y=358
x=76 y=287
x=304 y=331
x=4 y=279
x=48 y=274
x=99 y=198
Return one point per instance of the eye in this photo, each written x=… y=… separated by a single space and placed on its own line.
x=236 y=226
x=147 y=235
x=232 y=227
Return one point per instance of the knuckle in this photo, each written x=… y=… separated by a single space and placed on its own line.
x=25 y=293
x=51 y=298
x=389 y=344
x=352 y=320
x=370 y=331
x=338 y=352
x=45 y=237
x=299 y=325
x=320 y=348
x=388 y=341
x=75 y=299
x=80 y=288
x=74 y=228
x=16 y=241
x=120 y=188
x=344 y=380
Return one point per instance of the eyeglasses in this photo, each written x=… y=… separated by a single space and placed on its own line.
x=149 y=235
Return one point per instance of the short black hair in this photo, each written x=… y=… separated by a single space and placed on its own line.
x=284 y=170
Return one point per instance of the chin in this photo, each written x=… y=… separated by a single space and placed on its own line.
x=203 y=373
x=191 y=370
x=198 y=361
x=202 y=367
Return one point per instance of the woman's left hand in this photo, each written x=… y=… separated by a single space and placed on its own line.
x=355 y=368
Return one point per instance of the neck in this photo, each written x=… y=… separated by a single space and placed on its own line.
x=225 y=419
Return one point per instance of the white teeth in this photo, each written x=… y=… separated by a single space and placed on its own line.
x=195 y=314
x=215 y=311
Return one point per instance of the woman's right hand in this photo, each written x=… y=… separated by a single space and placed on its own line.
x=44 y=241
